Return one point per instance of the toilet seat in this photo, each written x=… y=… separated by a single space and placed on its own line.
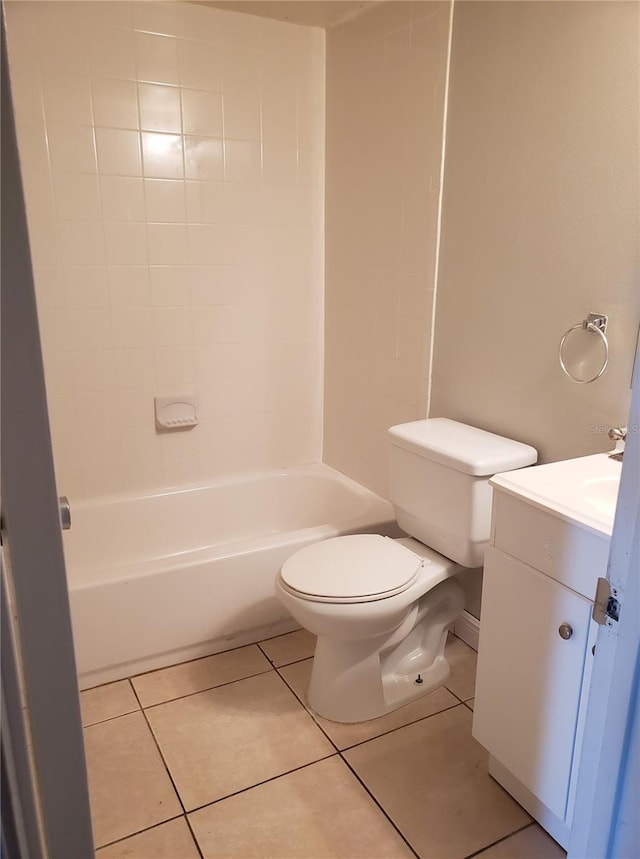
x=352 y=569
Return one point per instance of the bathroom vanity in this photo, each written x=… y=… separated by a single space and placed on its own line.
x=551 y=527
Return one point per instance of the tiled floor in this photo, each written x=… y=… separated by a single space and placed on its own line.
x=219 y=757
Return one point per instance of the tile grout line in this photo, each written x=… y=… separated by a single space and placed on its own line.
x=351 y=769
x=206 y=689
x=400 y=727
x=375 y=801
x=138 y=832
x=193 y=835
x=172 y=700
x=261 y=783
x=162 y=758
x=336 y=753
x=499 y=840
x=383 y=733
x=197 y=659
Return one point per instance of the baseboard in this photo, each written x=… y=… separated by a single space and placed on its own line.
x=467 y=627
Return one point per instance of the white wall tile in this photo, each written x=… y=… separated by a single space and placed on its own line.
x=67 y=98
x=242 y=161
x=240 y=71
x=165 y=201
x=159 y=107
x=198 y=23
x=172 y=326
x=81 y=242
x=159 y=18
x=132 y=327
x=175 y=365
x=112 y=51
x=241 y=115
x=203 y=158
x=128 y=285
x=115 y=103
x=156 y=58
x=160 y=260
x=90 y=329
x=122 y=198
x=199 y=66
x=126 y=243
x=135 y=368
x=118 y=152
x=169 y=286
x=105 y=14
x=77 y=196
x=167 y=243
x=94 y=371
x=202 y=112
x=162 y=155
x=85 y=286
x=384 y=134
x=71 y=148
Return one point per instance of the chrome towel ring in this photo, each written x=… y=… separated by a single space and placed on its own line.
x=597 y=324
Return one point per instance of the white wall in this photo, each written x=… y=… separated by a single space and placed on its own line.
x=540 y=220
x=172 y=157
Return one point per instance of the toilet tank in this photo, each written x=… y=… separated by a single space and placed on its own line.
x=439 y=473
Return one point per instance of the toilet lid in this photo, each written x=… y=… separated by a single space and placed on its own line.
x=356 y=567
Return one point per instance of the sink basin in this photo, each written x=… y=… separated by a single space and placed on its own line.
x=602 y=494
x=583 y=490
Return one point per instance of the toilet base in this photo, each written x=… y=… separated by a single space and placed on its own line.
x=355 y=681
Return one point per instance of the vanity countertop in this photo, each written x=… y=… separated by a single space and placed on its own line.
x=583 y=491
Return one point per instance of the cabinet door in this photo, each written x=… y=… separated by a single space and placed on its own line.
x=529 y=678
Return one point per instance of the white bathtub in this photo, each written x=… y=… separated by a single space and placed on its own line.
x=163 y=578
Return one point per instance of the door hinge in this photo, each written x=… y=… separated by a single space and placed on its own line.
x=606 y=605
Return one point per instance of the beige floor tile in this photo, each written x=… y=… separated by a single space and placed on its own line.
x=200 y=674
x=462 y=661
x=532 y=843
x=319 y=812
x=290 y=647
x=431 y=778
x=297 y=676
x=172 y=840
x=221 y=741
x=106 y=702
x=129 y=788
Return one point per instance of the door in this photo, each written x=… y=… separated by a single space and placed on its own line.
x=606 y=822
x=45 y=805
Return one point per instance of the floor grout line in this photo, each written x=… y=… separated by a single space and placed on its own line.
x=207 y=689
x=139 y=832
x=379 y=805
x=499 y=840
x=162 y=758
x=337 y=752
x=261 y=783
x=369 y=739
x=193 y=835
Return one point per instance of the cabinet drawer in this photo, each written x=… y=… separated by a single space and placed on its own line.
x=549 y=544
x=529 y=678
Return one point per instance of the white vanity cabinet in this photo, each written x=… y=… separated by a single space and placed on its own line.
x=535 y=654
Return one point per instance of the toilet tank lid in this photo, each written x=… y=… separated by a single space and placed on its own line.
x=462 y=447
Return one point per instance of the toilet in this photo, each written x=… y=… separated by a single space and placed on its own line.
x=381 y=608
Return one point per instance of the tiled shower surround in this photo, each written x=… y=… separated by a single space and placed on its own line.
x=173 y=166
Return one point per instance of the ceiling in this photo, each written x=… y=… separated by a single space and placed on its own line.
x=314 y=13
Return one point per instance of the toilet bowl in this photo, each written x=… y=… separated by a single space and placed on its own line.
x=380 y=644
x=381 y=608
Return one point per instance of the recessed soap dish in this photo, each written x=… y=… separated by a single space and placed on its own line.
x=177 y=411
